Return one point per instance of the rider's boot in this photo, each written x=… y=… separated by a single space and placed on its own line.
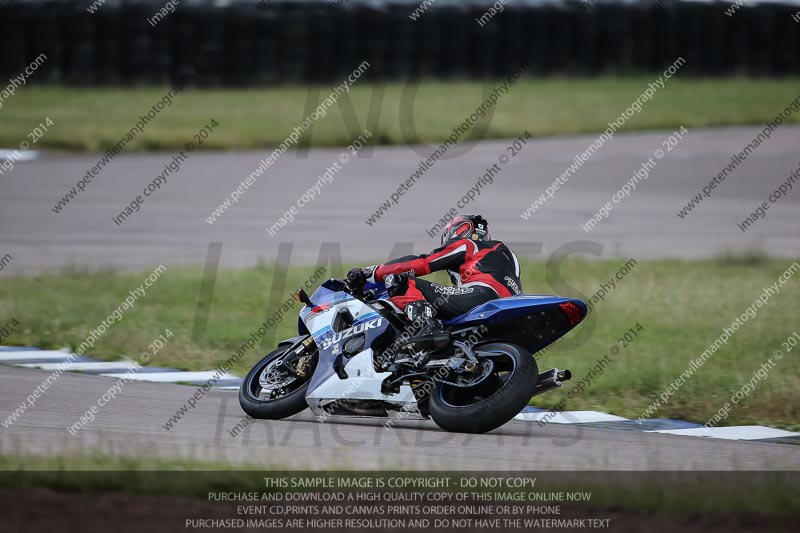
x=430 y=333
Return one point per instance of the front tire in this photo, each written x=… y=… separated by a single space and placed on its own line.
x=493 y=402
x=291 y=402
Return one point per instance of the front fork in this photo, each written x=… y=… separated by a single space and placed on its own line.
x=295 y=359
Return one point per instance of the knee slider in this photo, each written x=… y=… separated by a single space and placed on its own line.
x=420 y=310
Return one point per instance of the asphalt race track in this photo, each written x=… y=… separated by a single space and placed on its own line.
x=171 y=229
x=132 y=424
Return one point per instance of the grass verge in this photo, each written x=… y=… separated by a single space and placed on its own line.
x=93 y=119
x=682 y=307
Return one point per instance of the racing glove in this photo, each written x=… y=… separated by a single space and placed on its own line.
x=357 y=277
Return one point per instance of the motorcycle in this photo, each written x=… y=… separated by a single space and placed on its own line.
x=352 y=358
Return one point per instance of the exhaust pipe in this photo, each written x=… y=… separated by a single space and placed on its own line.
x=551 y=379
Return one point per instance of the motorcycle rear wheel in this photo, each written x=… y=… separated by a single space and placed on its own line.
x=494 y=401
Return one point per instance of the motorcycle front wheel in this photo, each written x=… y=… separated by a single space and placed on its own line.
x=271 y=391
x=492 y=402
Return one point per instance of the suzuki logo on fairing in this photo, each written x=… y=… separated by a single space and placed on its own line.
x=353 y=330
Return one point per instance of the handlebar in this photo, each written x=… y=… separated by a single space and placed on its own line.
x=358 y=292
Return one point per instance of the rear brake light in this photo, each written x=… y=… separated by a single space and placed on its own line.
x=573 y=313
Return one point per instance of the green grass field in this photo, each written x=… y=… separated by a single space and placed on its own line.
x=682 y=307
x=94 y=119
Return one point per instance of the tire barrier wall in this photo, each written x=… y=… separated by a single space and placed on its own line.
x=268 y=42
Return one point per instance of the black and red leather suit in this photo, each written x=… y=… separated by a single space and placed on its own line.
x=480 y=271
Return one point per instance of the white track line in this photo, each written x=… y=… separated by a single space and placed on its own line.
x=26 y=355
x=173 y=377
x=17 y=155
x=569 y=417
x=730 y=433
x=83 y=367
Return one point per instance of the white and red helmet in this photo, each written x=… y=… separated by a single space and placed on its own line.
x=472 y=227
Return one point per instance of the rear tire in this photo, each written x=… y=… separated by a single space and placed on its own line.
x=493 y=402
x=292 y=403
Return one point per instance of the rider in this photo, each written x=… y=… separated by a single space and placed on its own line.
x=481 y=270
